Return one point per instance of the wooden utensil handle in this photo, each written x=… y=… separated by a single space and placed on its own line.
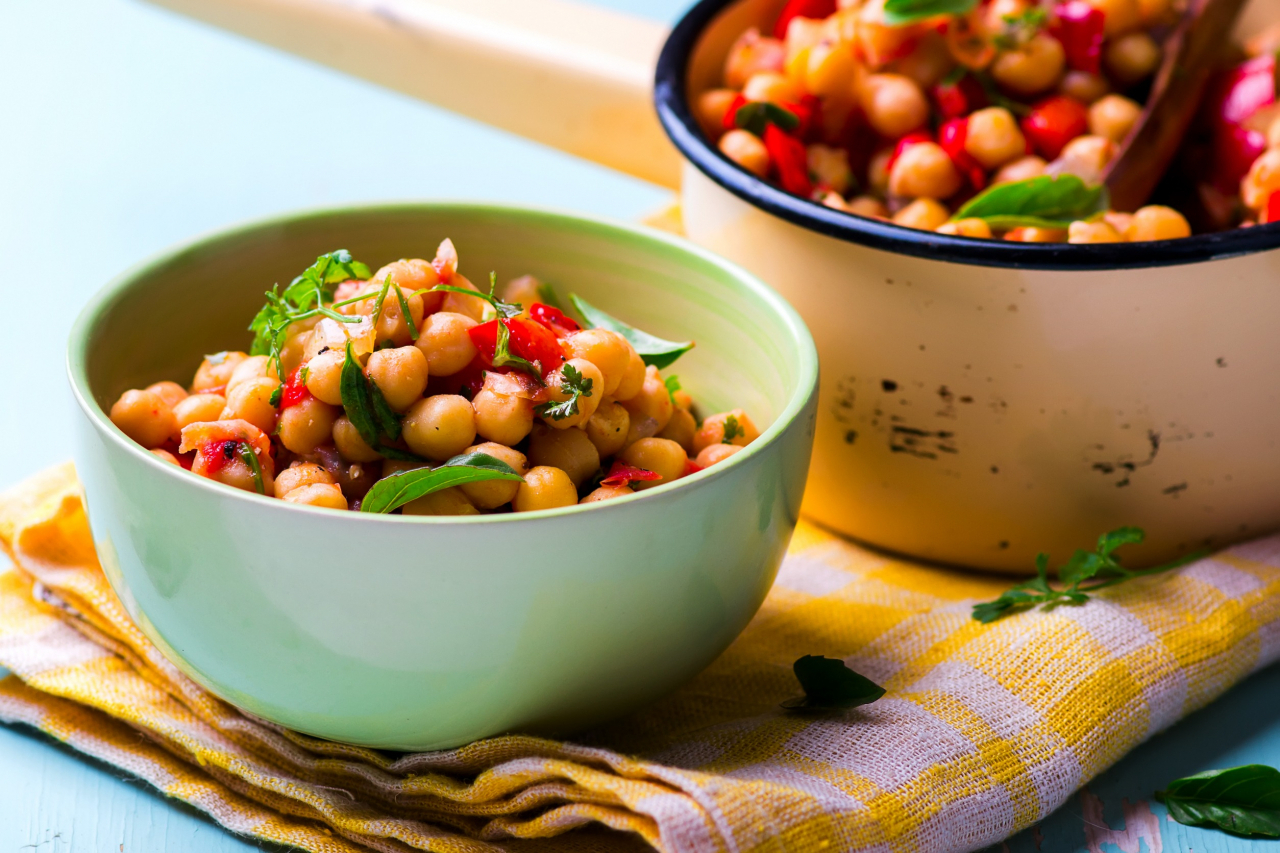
x=578 y=78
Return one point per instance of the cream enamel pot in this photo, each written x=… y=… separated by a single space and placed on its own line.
x=980 y=401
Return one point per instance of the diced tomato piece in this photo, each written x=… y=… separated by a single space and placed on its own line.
x=960 y=98
x=802 y=9
x=534 y=342
x=952 y=136
x=1054 y=122
x=809 y=110
x=622 y=474
x=485 y=337
x=691 y=467
x=790 y=158
x=295 y=390
x=554 y=319
x=217 y=454
x=1079 y=28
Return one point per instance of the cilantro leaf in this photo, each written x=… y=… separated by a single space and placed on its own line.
x=653 y=350
x=396 y=490
x=1241 y=800
x=732 y=429
x=1042 y=202
x=576 y=385
x=899 y=13
x=829 y=684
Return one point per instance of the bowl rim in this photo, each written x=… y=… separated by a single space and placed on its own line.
x=670 y=85
x=115 y=289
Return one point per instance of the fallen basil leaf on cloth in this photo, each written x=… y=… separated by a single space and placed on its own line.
x=653 y=350
x=1040 y=202
x=1242 y=800
x=829 y=685
x=396 y=490
x=898 y=13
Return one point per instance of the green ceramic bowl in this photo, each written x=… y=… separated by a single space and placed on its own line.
x=424 y=633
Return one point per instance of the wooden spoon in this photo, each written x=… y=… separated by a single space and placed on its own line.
x=1191 y=54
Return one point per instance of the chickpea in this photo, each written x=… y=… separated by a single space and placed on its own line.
x=772 y=87
x=745 y=148
x=587 y=403
x=215 y=371
x=1033 y=68
x=145 y=417
x=632 y=379
x=544 y=487
x=609 y=351
x=878 y=172
x=1083 y=86
x=680 y=429
x=446 y=344
x=834 y=201
x=653 y=401
x=301 y=474
x=751 y=54
x=440 y=427
x=570 y=450
x=995 y=13
x=1029 y=234
x=605 y=493
x=712 y=430
x=894 y=104
x=253 y=367
x=399 y=466
x=350 y=443
x=977 y=228
x=524 y=290
x=924 y=214
x=927 y=63
x=712 y=105
x=829 y=67
x=324 y=376
x=1113 y=116
x=504 y=418
x=450 y=501
x=660 y=455
x=1117 y=220
x=1030 y=166
x=327 y=495
x=412 y=276
x=1121 y=16
x=171 y=392
x=492 y=494
x=1132 y=57
x=1092 y=232
x=1261 y=181
x=295 y=351
x=607 y=428
x=165 y=456
x=1156 y=222
x=683 y=399
x=251 y=401
x=993 y=137
x=457 y=303
x=305 y=426
x=870 y=206
x=830 y=167
x=391 y=324
x=198 y=408
x=1086 y=156
x=924 y=170
x=714 y=453
x=400 y=374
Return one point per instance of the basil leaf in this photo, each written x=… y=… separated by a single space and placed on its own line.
x=395 y=491
x=898 y=13
x=547 y=296
x=388 y=420
x=357 y=399
x=654 y=351
x=1041 y=202
x=756 y=115
x=831 y=685
x=1242 y=800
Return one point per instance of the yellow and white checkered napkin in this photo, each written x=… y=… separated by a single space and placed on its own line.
x=985 y=729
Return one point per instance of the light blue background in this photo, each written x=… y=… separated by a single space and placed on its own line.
x=126 y=129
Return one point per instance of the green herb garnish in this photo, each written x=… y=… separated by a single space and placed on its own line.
x=1084 y=573
x=396 y=490
x=1241 y=800
x=250 y=458
x=1021 y=28
x=407 y=314
x=506 y=310
x=732 y=429
x=1040 y=202
x=672 y=384
x=576 y=385
x=830 y=685
x=358 y=400
x=756 y=115
x=898 y=13
x=654 y=351
x=547 y=296
x=502 y=355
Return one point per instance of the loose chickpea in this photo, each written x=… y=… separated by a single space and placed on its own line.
x=1156 y=222
x=587 y=403
x=504 y=418
x=215 y=371
x=712 y=430
x=145 y=417
x=607 y=350
x=198 y=408
x=830 y=167
x=165 y=456
x=894 y=104
x=350 y=443
x=751 y=54
x=570 y=450
x=1085 y=156
x=446 y=344
x=1113 y=116
x=306 y=425
x=1092 y=232
x=251 y=401
x=411 y=276
x=253 y=367
x=440 y=427
x=400 y=374
x=1132 y=57
x=1083 y=86
x=1261 y=181
x=492 y=494
x=327 y=495
x=301 y=474
x=967 y=228
x=1033 y=68
x=866 y=205
x=1030 y=166
x=171 y=392
x=607 y=428
x=993 y=137
x=680 y=429
x=924 y=170
x=544 y=487
x=714 y=453
x=745 y=148
x=450 y=501
x=653 y=401
x=829 y=67
x=712 y=105
x=772 y=87
x=324 y=376
x=1120 y=16
x=632 y=379
x=924 y=214
x=606 y=493
x=457 y=303
x=660 y=455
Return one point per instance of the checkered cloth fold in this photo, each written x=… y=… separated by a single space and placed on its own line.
x=985 y=728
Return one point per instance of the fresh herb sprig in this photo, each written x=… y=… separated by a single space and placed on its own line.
x=1084 y=573
x=653 y=350
x=368 y=411
x=756 y=115
x=732 y=430
x=1242 y=800
x=1042 y=202
x=899 y=13
x=503 y=357
x=396 y=490
x=830 y=685
x=575 y=385
x=672 y=384
x=1021 y=28
x=505 y=310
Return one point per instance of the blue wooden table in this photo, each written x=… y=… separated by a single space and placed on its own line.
x=128 y=129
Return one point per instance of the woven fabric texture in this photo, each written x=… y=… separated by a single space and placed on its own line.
x=985 y=728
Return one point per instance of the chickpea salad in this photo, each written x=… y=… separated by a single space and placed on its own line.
x=413 y=391
x=991 y=118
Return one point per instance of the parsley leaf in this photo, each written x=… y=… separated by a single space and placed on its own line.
x=1042 y=202
x=732 y=429
x=899 y=13
x=576 y=385
x=672 y=384
x=1242 y=800
x=653 y=350
x=1083 y=573
x=396 y=490
x=830 y=685
x=506 y=310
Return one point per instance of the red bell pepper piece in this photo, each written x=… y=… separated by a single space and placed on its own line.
x=790 y=159
x=904 y=143
x=622 y=474
x=802 y=9
x=959 y=98
x=534 y=342
x=1079 y=28
x=1271 y=213
x=809 y=110
x=485 y=337
x=295 y=390
x=554 y=319
x=951 y=136
x=691 y=467
x=1053 y=123
x=217 y=454
x=1233 y=100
